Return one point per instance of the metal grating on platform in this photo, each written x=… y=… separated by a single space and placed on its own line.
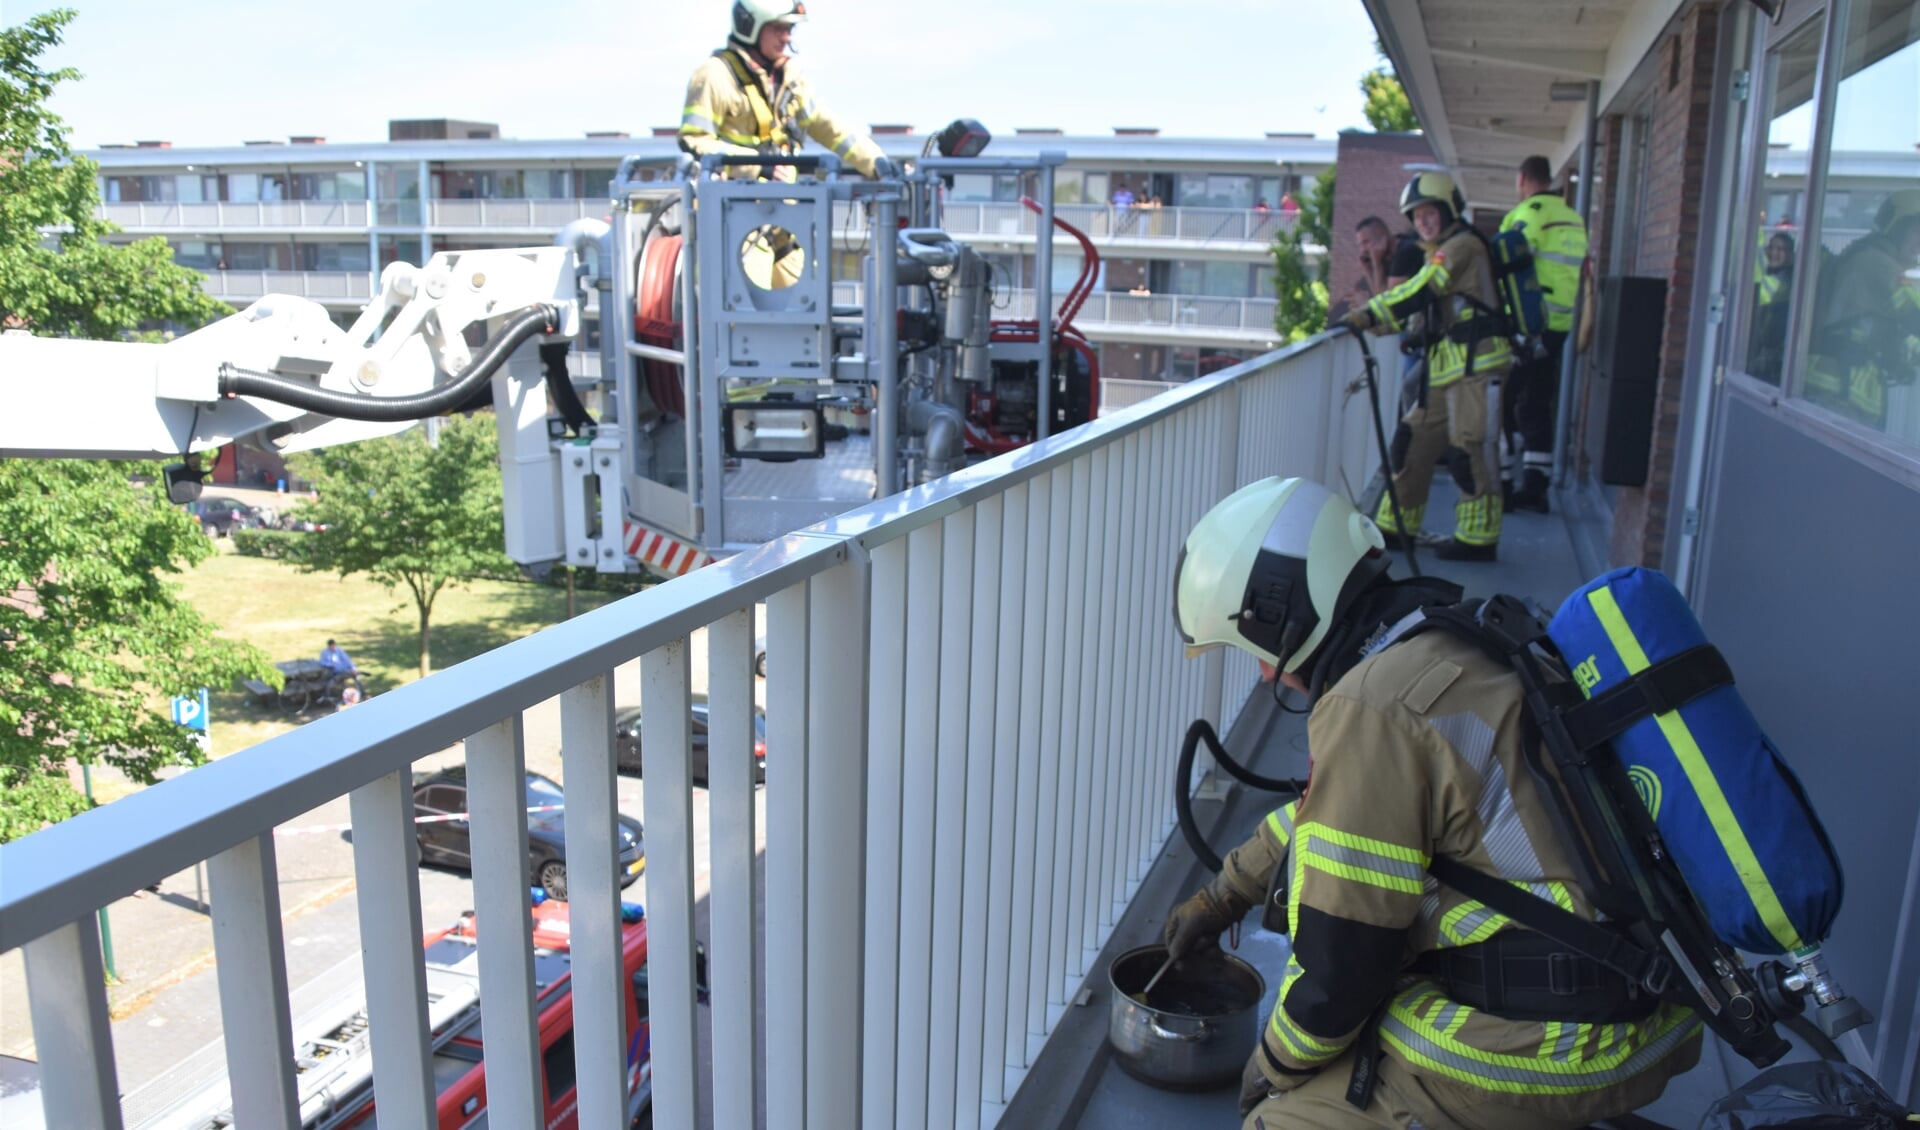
x=766 y=500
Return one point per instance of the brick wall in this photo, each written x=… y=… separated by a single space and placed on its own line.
x=1373 y=170
x=1681 y=66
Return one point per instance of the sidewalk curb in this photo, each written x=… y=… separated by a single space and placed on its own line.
x=135 y=1002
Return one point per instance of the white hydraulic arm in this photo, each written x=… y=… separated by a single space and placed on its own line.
x=280 y=369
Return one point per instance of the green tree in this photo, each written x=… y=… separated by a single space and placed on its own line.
x=94 y=634
x=57 y=274
x=1387 y=108
x=408 y=513
x=1300 y=287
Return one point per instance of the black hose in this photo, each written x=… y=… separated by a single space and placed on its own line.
x=1202 y=731
x=1386 y=460
x=1819 y=1041
x=530 y=322
x=566 y=398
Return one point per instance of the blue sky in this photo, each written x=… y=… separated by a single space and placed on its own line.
x=217 y=72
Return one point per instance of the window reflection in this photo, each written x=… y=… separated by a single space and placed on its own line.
x=1864 y=333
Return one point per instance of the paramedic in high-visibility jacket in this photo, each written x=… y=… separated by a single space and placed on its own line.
x=750 y=97
x=1452 y=310
x=1402 y=999
x=1558 y=237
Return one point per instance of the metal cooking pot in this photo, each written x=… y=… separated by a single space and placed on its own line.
x=1197 y=1027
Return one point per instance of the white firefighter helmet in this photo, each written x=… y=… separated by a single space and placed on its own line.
x=750 y=16
x=1433 y=187
x=1271 y=569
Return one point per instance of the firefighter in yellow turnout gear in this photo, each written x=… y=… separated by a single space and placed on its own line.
x=750 y=97
x=1402 y=998
x=1866 y=335
x=1453 y=307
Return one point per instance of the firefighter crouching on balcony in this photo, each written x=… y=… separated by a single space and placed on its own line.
x=1866 y=334
x=1384 y=1012
x=750 y=97
x=1452 y=308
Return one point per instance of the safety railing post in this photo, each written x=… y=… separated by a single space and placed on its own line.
x=386 y=864
x=252 y=976
x=503 y=925
x=67 y=997
x=594 y=926
x=836 y=834
x=666 y=735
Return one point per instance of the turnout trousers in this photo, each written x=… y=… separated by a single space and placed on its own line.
x=1528 y=405
x=1463 y=415
x=1399 y=1098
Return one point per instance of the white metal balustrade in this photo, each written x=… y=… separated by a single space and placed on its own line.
x=974 y=699
x=219 y=216
x=321 y=286
x=1117 y=312
x=1200 y=225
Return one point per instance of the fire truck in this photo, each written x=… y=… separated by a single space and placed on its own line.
x=751 y=380
x=335 y=1058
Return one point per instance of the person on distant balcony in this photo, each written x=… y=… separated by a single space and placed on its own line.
x=1403 y=999
x=1289 y=207
x=1558 y=237
x=1452 y=310
x=750 y=97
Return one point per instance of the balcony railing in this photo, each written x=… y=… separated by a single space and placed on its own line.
x=321 y=286
x=973 y=699
x=1198 y=225
x=1196 y=315
x=545 y=215
x=219 y=216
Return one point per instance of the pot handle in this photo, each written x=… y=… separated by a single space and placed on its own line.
x=1180 y=1037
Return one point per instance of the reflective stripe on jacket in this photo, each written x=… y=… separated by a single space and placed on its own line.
x=1417 y=754
x=734 y=106
x=1559 y=240
x=1452 y=292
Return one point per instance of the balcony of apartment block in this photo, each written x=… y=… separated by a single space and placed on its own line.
x=973 y=696
x=333 y=287
x=1217 y=232
x=226 y=215
x=1172 y=319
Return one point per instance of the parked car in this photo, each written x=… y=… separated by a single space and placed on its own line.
x=626 y=741
x=220 y=516
x=448 y=842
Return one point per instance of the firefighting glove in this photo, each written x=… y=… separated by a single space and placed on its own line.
x=1358 y=320
x=1255 y=1087
x=1195 y=925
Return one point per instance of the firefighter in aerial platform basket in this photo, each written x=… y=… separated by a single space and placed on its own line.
x=1452 y=309
x=1403 y=998
x=750 y=97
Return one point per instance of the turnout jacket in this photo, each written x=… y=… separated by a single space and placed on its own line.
x=1451 y=307
x=1417 y=753
x=736 y=106
x=1558 y=237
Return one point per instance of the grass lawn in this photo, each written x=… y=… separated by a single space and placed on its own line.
x=291 y=615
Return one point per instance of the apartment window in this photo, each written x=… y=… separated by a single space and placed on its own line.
x=257 y=256
x=348 y=184
x=1863 y=335
x=399 y=249
x=1791 y=71
x=976 y=188
x=596 y=184
x=333 y=256
x=200 y=254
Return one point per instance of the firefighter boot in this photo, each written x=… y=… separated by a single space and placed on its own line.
x=1476 y=530
x=1532 y=494
x=1397 y=539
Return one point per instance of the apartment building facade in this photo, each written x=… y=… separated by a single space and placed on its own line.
x=1184 y=226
